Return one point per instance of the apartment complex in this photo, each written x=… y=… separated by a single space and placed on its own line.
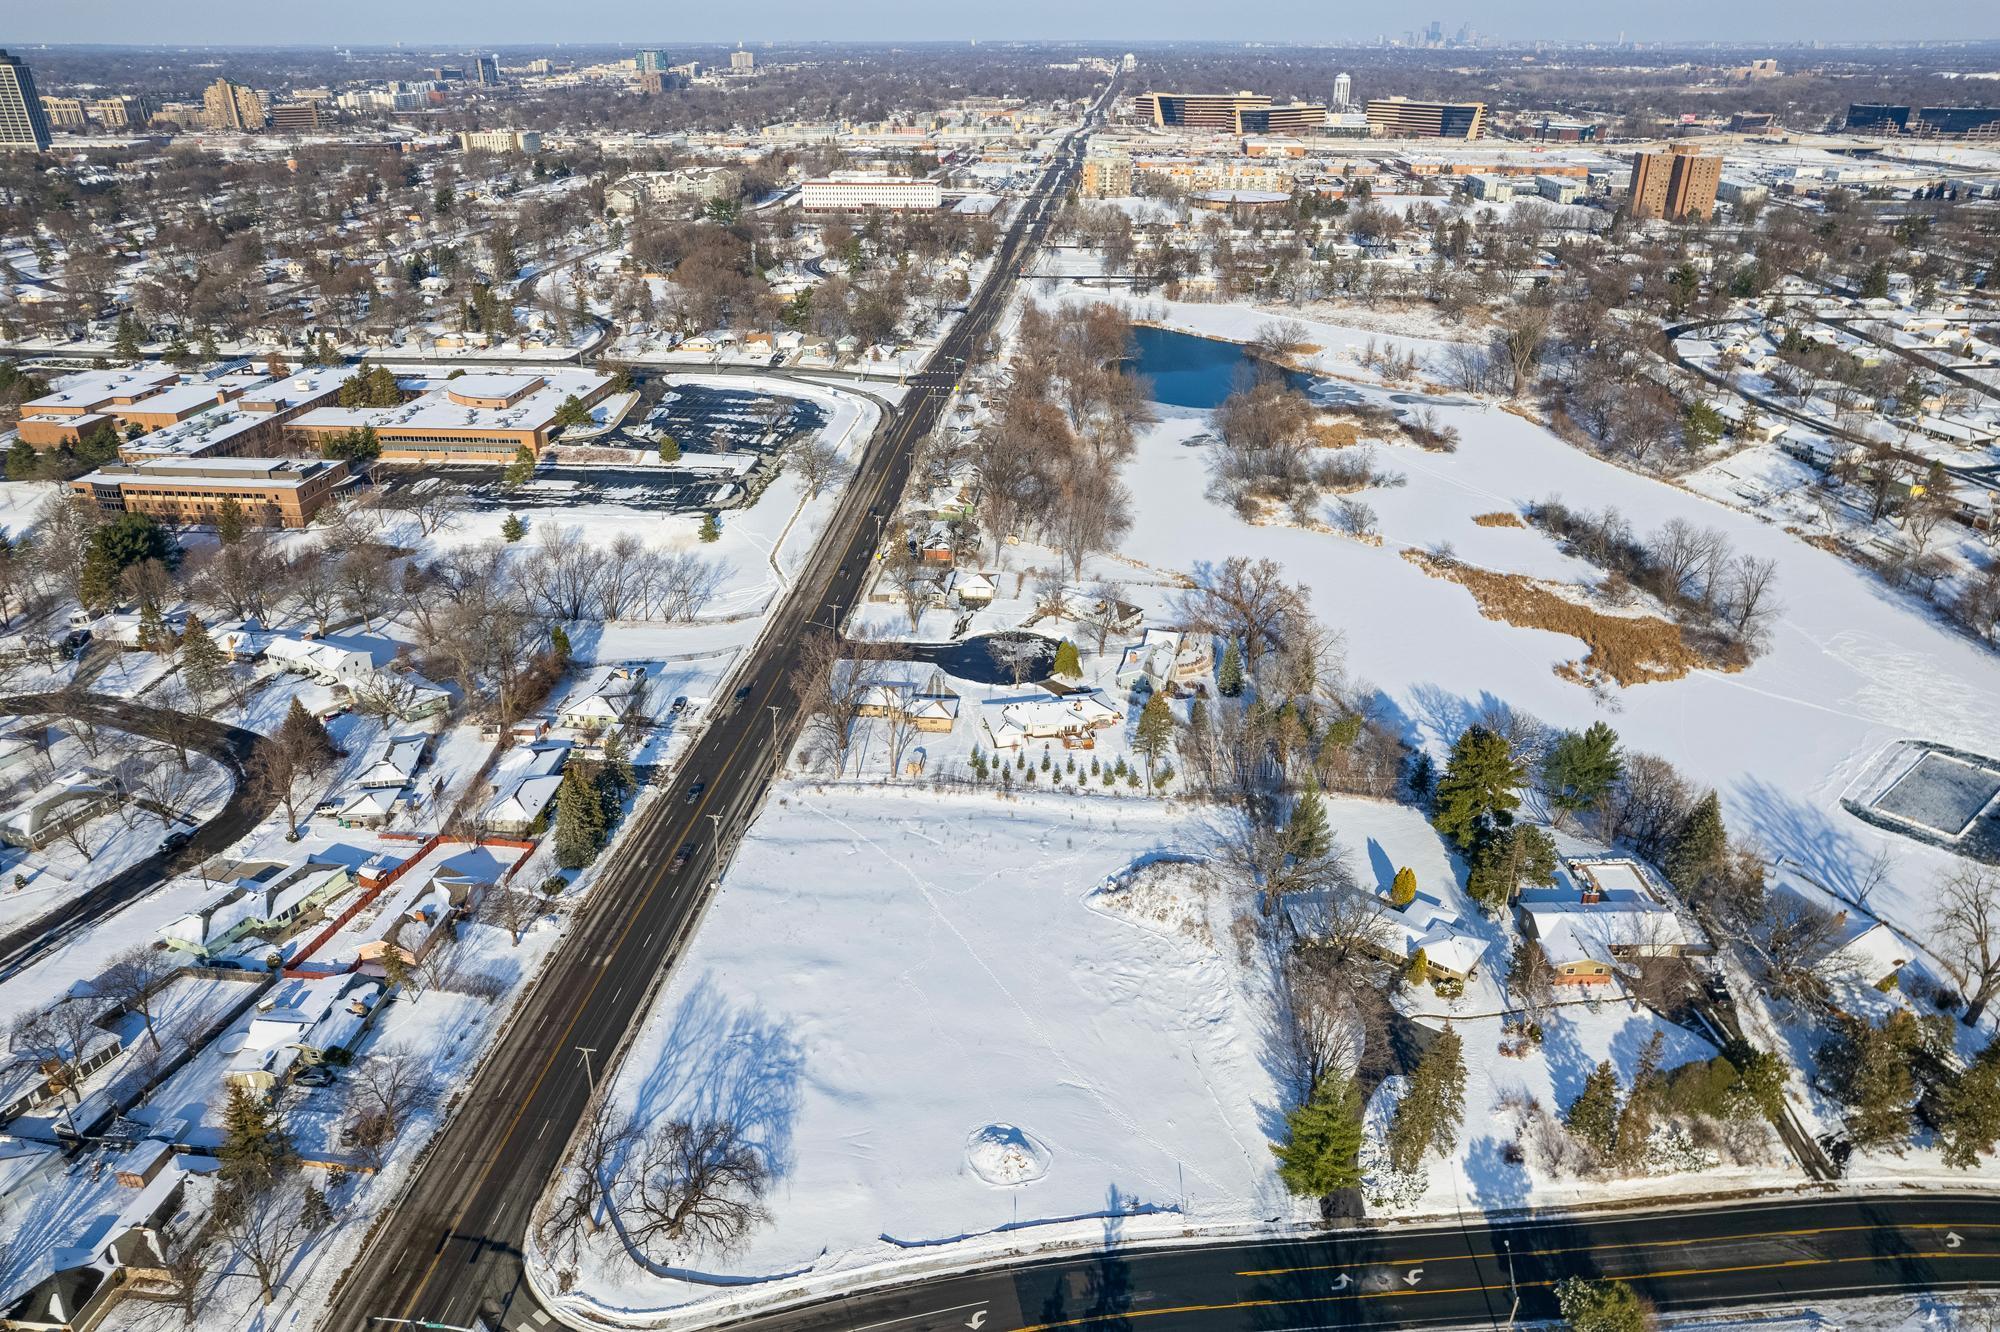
x=651 y=61
x=1233 y=113
x=644 y=190
x=1401 y=118
x=742 y=62
x=1107 y=176
x=226 y=105
x=482 y=418
x=269 y=492
x=847 y=192
x=486 y=70
x=22 y=123
x=65 y=113
x=1675 y=184
x=500 y=141
x=295 y=117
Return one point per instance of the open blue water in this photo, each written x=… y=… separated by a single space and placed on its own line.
x=1191 y=371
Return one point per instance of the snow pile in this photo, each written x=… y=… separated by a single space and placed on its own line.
x=1168 y=894
x=1005 y=1155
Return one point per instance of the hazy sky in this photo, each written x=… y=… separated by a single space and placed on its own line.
x=663 y=22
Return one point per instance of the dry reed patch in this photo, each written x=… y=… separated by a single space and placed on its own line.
x=1336 y=434
x=1498 y=520
x=1627 y=649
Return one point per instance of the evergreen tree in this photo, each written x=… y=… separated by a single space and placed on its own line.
x=1432 y=1108
x=1229 y=677
x=1869 y=1069
x=314 y=1213
x=178 y=356
x=229 y=521
x=1508 y=858
x=1601 y=1306
x=1581 y=766
x=128 y=338
x=579 y=819
x=1322 y=1147
x=1642 y=1103
x=711 y=527
x=1154 y=734
x=571 y=412
x=303 y=734
x=513 y=528
x=1423 y=777
x=202 y=662
x=153 y=633
x=1479 y=789
x=1698 y=849
x=255 y=1148
x=129 y=539
x=1593 y=1116
x=23 y=462
x=1418 y=972
x=1969 y=1111
x=1069 y=665
x=521 y=470
x=1308 y=835
x=559 y=644
x=1403 y=888
x=670 y=449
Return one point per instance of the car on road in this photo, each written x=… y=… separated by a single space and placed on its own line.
x=175 y=840
x=695 y=788
x=744 y=692
x=684 y=855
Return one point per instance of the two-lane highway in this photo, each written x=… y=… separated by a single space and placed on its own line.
x=450 y=1249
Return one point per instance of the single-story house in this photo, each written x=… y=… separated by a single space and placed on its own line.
x=269 y=902
x=1165 y=659
x=55 y=807
x=300 y=1022
x=1599 y=918
x=1073 y=718
x=606 y=698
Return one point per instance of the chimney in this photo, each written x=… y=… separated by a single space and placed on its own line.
x=1591 y=894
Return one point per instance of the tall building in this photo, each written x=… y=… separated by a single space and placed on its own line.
x=22 y=124
x=1230 y=113
x=295 y=117
x=486 y=69
x=1343 y=91
x=651 y=61
x=1107 y=176
x=742 y=61
x=120 y=112
x=64 y=113
x=1400 y=118
x=500 y=141
x=1675 y=184
x=226 y=105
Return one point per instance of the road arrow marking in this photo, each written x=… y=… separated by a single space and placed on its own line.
x=976 y=1319
x=1416 y=1275
x=1952 y=1239
x=1341 y=1282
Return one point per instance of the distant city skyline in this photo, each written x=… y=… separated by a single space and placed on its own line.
x=507 y=22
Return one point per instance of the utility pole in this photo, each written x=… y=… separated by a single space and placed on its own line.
x=1508 y=1253
x=589 y=1078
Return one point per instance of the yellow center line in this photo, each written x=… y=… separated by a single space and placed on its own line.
x=1602 y=1248
x=1412 y=1292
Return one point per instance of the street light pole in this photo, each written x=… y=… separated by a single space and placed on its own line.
x=1507 y=1252
x=589 y=1078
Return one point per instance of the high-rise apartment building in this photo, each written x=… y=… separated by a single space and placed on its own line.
x=64 y=113
x=486 y=69
x=1675 y=184
x=120 y=112
x=651 y=61
x=1401 y=118
x=295 y=117
x=500 y=141
x=22 y=124
x=226 y=105
x=1107 y=176
x=742 y=61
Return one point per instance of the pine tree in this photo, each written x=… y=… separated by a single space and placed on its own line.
x=1308 y=836
x=1969 y=1111
x=579 y=819
x=314 y=1213
x=305 y=735
x=202 y=661
x=1581 y=766
x=1698 y=848
x=513 y=527
x=1403 y=888
x=559 y=645
x=1322 y=1147
x=1479 y=789
x=154 y=635
x=1432 y=1108
x=1593 y=1116
x=1506 y=859
x=711 y=527
x=571 y=412
x=1155 y=732
x=670 y=449
x=1635 y=1117
x=521 y=470
x=1229 y=678
x=128 y=339
x=229 y=521
x=1869 y=1068
x=1418 y=972
x=1601 y=1306
x=1069 y=665
x=255 y=1148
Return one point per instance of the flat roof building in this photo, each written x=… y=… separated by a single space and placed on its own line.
x=1233 y=113
x=852 y=192
x=481 y=418
x=226 y=105
x=500 y=141
x=270 y=492
x=22 y=123
x=1401 y=118
x=1675 y=184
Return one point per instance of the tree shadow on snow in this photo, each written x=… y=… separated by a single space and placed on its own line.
x=1808 y=838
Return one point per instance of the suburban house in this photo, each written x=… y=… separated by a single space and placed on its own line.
x=1452 y=951
x=419 y=920
x=1165 y=659
x=273 y=899
x=55 y=807
x=524 y=785
x=72 y=1287
x=298 y=1023
x=1602 y=916
x=934 y=707
x=1122 y=618
x=393 y=762
x=604 y=699
x=29 y=1083
x=1072 y=718
x=366 y=668
x=974 y=588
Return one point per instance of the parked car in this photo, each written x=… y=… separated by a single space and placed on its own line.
x=680 y=705
x=314 y=1075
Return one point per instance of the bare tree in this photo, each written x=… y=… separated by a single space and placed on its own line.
x=436 y=504
x=584 y=1189
x=1245 y=600
x=134 y=977
x=1102 y=606
x=915 y=584
x=899 y=728
x=1966 y=930
x=832 y=687
x=512 y=911
x=57 y=1040
x=383 y=1091
x=819 y=465
x=698 y=1187
x=188 y=1260
x=1522 y=341
x=265 y=1229
x=285 y=771
x=684 y=583
x=1751 y=603
x=1531 y=981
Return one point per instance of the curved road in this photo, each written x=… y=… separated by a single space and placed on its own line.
x=246 y=808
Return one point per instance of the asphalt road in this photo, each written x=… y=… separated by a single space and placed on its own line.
x=449 y=1250
x=246 y=808
x=1778 y=1253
